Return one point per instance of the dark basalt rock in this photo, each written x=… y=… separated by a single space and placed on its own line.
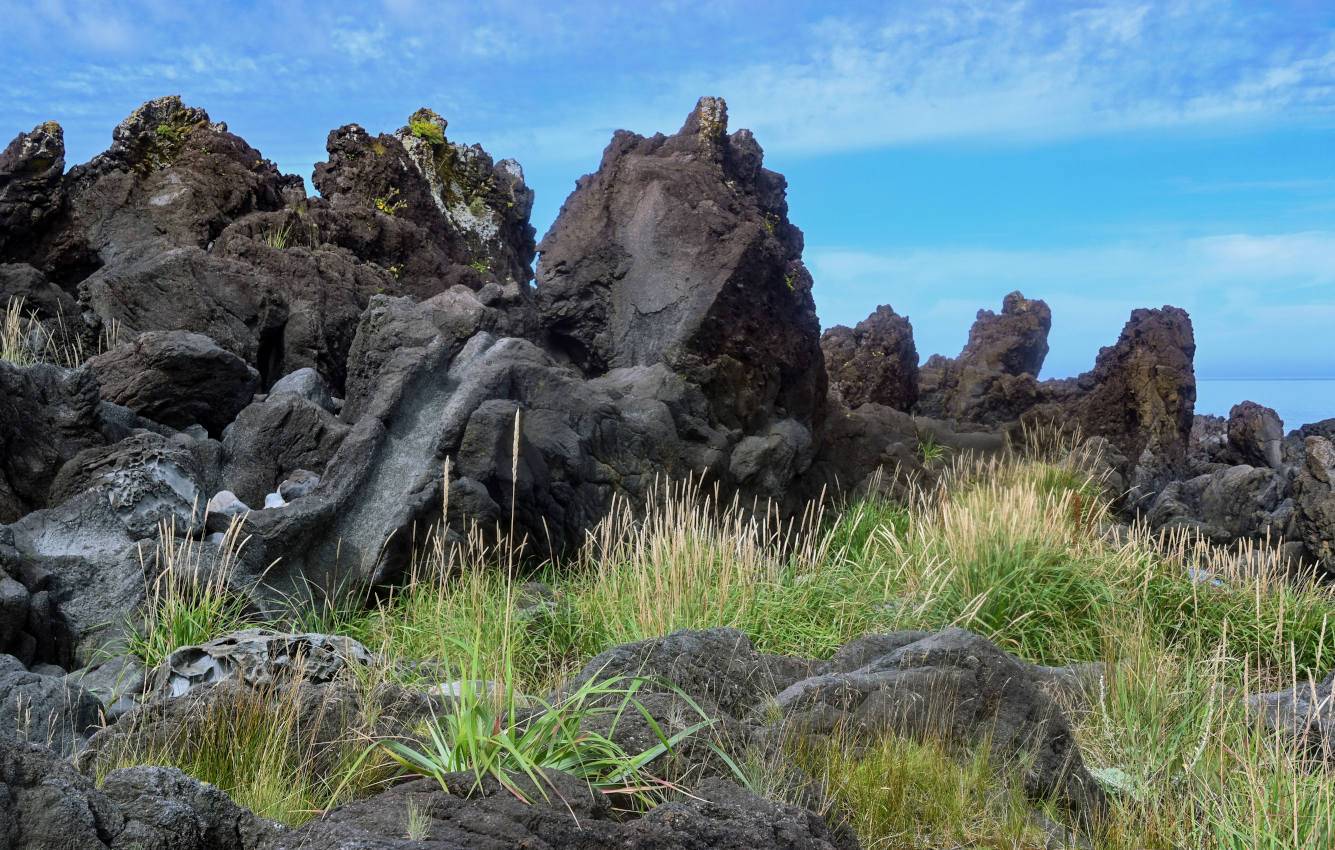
x=1255 y=435
x=1013 y=343
x=272 y=439
x=46 y=803
x=679 y=250
x=1314 y=498
x=875 y=361
x=955 y=686
x=716 y=816
x=177 y=378
x=994 y=379
x=46 y=710
x=47 y=416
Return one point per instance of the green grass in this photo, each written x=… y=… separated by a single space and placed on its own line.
x=1011 y=549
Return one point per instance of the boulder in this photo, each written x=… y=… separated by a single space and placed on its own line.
x=305 y=383
x=172 y=178
x=257 y=658
x=177 y=378
x=678 y=250
x=994 y=379
x=47 y=803
x=875 y=361
x=117 y=682
x=1012 y=343
x=272 y=439
x=955 y=686
x=1255 y=435
x=1304 y=715
x=47 y=416
x=460 y=816
x=1314 y=499
x=439 y=212
x=47 y=710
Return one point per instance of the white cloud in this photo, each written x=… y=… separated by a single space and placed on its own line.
x=1252 y=298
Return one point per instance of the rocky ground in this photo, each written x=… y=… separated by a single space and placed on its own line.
x=196 y=331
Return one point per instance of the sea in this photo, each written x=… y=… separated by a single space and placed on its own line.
x=1298 y=401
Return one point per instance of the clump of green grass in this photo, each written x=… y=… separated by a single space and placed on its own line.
x=190 y=600
x=265 y=749
x=491 y=734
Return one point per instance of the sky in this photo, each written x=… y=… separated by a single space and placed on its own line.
x=1102 y=156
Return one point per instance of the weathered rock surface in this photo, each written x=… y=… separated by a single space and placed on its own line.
x=257 y=658
x=177 y=378
x=459 y=817
x=994 y=379
x=953 y=685
x=46 y=710
x=1255 y=435
x=1314 y=499
x=47 y=416
x=45 y=803
x=875 y=361
x=678 y=250
x=1304 y=714
x=274 y=438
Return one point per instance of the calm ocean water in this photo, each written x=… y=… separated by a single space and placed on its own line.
x=1298 y=401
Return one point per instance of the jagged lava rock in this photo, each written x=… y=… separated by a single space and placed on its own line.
x=1255 y=435
x=876 y=361
x=47 y=416
x=679 y=250
x=994 y=379
x=177 y=378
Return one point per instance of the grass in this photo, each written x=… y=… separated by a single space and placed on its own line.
x=55 y=343
x=1014 y=549
x=190 y=600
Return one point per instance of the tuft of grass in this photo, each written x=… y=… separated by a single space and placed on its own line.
x=496 y=734
x=190 y=600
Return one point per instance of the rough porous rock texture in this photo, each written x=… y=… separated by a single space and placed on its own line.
x=47 y=416
x=46 y=710
x=271 y=439
x=1305 y=714
x=875 y=361
x=1255 y=435
x=994 y=379
x=679 y=250
x=953 y=685
x=1315 y=500
x=717 y=816
x=177 y=378
x=45 y=803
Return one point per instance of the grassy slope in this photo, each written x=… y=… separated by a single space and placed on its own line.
x=1010 y=550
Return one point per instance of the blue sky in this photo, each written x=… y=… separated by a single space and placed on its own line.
x=1102 y=156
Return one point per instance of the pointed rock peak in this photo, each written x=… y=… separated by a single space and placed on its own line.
x=155 y=134
x=709 y=120
x=36 y=152
x=427 y=125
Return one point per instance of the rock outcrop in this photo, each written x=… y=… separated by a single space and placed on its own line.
x=875 y=361
x=679 y=251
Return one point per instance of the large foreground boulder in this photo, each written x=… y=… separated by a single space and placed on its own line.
x=566 y=814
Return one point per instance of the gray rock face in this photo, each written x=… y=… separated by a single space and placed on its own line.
x=177 y=378
x=47 y=710
x=1255 y=435
x=47 y=416
x=48 y=804
x=1305 y=714
x=117 y=682
x=876 y=361
x=1315 y=500
x=307 y=384
x=954 y=685
x=679 y=250
x=274 y=438
x=716 y=815
x=1013 y=343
